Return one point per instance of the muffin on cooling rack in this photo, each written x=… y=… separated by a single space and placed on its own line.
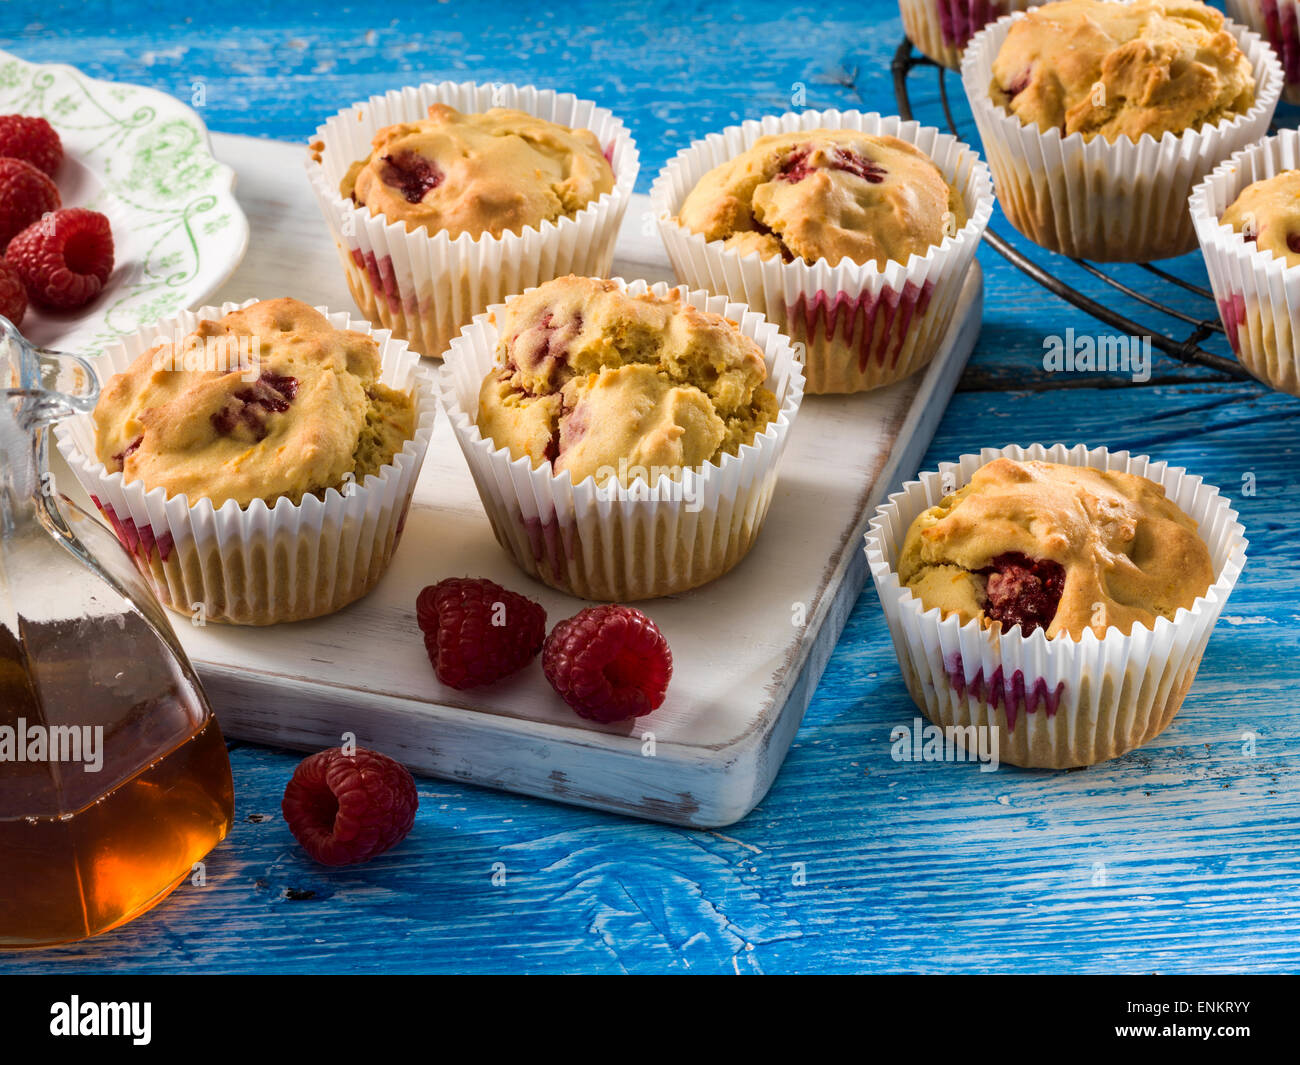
x=940 y=29
x=1098 y=117
x=1247 y=218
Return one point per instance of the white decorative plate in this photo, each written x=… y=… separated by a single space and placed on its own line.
x=142 y=158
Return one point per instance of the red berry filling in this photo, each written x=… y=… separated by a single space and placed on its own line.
x=798 y=165
x=1293 y=242
x=270 y=393
x=412 y=174
x=1018 y=86
x=130 y=449
x=1023 y=591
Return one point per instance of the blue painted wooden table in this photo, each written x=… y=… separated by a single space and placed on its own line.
x=1182 y=856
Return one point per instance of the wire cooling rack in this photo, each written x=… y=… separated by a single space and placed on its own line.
x=1178 y=333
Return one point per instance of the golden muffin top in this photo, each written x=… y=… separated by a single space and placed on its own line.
x=496 y=172
x=266 y=402
x=609 y=385
x=1057 y=547
x=826 y=194
x=1115 y=70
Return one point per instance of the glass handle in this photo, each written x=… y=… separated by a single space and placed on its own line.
x=54 y=384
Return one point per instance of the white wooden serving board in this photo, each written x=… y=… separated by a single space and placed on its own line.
x=748 y=649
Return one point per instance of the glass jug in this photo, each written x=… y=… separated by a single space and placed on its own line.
x=114 y=779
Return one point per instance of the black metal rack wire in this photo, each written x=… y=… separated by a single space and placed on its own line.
x=1186 y=348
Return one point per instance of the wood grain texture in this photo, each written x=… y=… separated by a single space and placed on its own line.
x=1179 y=857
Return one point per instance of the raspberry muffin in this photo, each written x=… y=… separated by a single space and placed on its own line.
x=1098 y=118
x=258 y=462
x=853 y=232
x=445 y=198
x=1276 y=22
x=624 y=439
x=1063 y=597
x=940 y=29
x=1247 y=219
x=602 y=384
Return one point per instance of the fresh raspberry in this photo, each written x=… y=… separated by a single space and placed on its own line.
x=476 y=631
x=31 y=139
x=25 y=195
x=345 y=809
x=64 y=259
x=13 y=297
x=608 y=663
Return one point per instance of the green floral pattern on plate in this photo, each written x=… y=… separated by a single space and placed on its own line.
x=178 y=230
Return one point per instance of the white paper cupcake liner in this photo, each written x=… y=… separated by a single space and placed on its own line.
x=1061 y=702
x=424 y=286
x=260 y=564
x=1113 y=202
x=614 y=542
x=1277 y=22
x=940 y=29
x=1258 y=294
x=861 y=327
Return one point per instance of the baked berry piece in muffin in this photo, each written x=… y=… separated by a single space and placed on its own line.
x=495 y=172
x=1112 y=70
x=1055 y=547
x=826 y=194
x=1268 y=213
x=605 y=384
x=267 y=402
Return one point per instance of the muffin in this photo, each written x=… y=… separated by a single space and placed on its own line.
x=852 y=232
x=257 y=461
x=448 y=197
x=602 y=384
x=1098 y=117
x=624 y=439
x=1061 y=596
x=1275 y=21
x=940 y=29
x=1247 y=219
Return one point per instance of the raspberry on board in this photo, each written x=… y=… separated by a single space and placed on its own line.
x=32 y=140
x=25 y=195
x=13 y=297
x=65 y=258
x=609 y=663
x=345 y=809
x=476 y=631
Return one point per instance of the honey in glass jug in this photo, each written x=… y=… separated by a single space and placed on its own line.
x=114 y=779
